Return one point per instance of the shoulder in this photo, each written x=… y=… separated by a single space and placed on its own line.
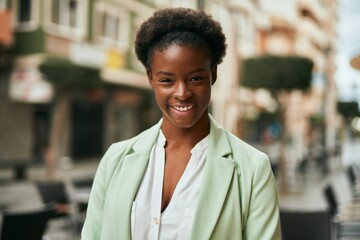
x=247 y=158
x=123 y=146
x=142 y=141
x=239 y=146
x=117 y=151
x=253 y=168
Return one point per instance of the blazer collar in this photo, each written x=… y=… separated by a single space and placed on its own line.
x=132 y=171
x=218 y=138
x=147 y=138
x=135 y=163
x=218 y=173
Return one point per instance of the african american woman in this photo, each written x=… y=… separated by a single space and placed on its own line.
x=186 y=177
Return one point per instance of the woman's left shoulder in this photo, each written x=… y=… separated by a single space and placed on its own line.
x=245 y=154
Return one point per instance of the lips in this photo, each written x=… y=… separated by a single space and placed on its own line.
x=183 y=108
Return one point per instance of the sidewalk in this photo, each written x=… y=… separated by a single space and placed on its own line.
x=306 y=192
x=22 y=195
x=308 y=195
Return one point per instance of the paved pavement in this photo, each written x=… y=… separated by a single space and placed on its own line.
x=22 y=195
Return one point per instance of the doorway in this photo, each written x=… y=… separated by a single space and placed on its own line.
x=87 y=129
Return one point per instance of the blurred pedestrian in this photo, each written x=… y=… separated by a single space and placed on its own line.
x=186 y=177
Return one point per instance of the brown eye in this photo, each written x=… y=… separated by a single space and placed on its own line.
x=196 y=79
x=165 y=80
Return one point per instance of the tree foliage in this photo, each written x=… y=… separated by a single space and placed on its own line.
x=277 y=72
x=348 y=109
x=66 y=75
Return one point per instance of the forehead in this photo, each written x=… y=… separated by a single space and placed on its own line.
x=180 y=56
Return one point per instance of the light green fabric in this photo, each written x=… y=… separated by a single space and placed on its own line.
x=237 y=200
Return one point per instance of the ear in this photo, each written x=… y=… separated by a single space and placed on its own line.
x=213 y=75
x=149 y=75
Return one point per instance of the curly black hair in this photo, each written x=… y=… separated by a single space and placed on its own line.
x=182 y=26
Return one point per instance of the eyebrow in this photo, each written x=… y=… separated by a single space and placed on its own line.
x=164 y=73
x=171 y=74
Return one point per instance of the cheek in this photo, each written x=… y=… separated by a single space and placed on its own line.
x=161 y=97
x=206 y=94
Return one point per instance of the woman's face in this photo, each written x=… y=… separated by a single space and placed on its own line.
x=181 y=78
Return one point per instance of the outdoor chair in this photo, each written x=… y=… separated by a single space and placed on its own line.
x=84 y=182
x=352 y=172
x=29 y=225
x=345 y=218
x=55 y=191
x=64 y=216
x=81 y=186
x=300 y=225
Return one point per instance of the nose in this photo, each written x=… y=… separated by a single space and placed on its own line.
x=182 y=91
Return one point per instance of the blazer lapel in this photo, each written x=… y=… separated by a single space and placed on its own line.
x=131 y=175
x=125 y=184
x=218 y=172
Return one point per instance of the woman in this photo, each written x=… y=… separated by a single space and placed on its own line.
x=186 y=177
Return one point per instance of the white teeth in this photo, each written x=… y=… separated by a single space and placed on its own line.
x=183 y=109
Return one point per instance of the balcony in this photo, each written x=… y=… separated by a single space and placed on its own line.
x=245 y=5
x=284 y=10
x=314 y=8
x=305 y=47
x=310 y=29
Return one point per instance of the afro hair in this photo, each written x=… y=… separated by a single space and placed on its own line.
x=182 y=26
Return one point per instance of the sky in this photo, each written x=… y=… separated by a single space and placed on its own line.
x=348 y=46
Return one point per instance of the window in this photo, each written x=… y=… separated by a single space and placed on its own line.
x=64 y=13
x=111 y=25
x=246 y=28
x=66 y=18
x=26 y=14
x=24 y=11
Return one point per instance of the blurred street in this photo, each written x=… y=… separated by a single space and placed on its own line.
x=71 y=85
x=22 y=195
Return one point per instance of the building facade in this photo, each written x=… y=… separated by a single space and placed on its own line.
x=79 y=120
x=99 y=34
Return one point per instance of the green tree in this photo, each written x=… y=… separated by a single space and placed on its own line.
x=66 y=78
x=348 y=109
x=278 y=74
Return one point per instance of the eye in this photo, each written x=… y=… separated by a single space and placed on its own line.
x=197 y=78
x=165 y=81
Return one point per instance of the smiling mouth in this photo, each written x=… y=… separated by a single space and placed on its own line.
x=183 y=109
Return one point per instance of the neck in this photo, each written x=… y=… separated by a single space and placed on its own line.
x=188 y=136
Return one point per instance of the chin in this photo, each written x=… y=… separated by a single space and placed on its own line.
x=182 y=124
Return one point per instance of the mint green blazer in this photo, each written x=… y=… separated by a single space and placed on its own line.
x=237 y=199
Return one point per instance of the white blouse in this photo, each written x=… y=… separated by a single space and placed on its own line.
x=147 y=221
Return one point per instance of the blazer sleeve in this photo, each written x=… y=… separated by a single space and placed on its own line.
x=94 y=215
x=263 y=221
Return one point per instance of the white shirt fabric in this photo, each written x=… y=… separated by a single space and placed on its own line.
x=147 y=221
